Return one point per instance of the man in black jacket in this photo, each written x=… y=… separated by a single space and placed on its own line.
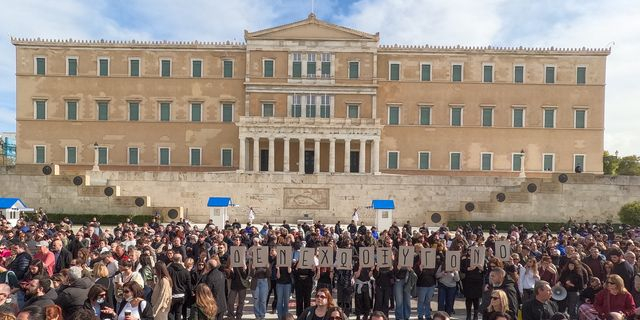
x=72 y=297
x=40 y=293
x=182 y=289
x=216 y=280
x=20 y=265
x=541 y=307
x=62 y=255
x=498 y=280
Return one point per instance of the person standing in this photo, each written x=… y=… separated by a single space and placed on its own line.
x=181 y=281
x=216 y=280
x=283 y=290
x=622 y=268
x=472 y=286
x=447 y=288
x=252 y=215
x=363 y=292
x=426 y=286
x=259 y=287
x=161 y=297
x=529 y=275
x=237 y=292
x=303 y=280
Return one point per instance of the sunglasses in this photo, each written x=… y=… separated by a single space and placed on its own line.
x=126 y=291
x=321 y=297
x=495 y=298
x=610 y=282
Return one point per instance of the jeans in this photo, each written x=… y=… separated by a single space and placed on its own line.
x=260 y=298
x=283 y=291
x=403 y=300
x=425 y=294
x=446 y=298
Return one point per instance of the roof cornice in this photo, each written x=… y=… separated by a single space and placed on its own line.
x=145 y=44
x=491 y=49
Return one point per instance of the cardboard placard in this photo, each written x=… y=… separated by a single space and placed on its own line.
x=476 y=256
x=306 y=258
x=366 y=257
x=344 y=259
x=428 y=258
x=237 y=256
x=405 y=256
x=283 y=257
x=260 y=257
x=384 y=257
x=325 y=257
x=503 y=250
x=452 y=261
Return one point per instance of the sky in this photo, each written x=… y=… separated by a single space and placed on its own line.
x=540 y=23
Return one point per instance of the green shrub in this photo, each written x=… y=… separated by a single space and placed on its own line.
x=630 y=213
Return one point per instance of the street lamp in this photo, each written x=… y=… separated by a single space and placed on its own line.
x=522 y=174
x=95 y=157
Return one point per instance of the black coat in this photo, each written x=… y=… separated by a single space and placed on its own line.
x=216 y=281
x=72 y=298
x=181 y=279
x=20 y=265
x=46 y=300
x=63 y=261
x=473 y=281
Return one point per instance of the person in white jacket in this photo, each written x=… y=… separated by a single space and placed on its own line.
x=528 y=277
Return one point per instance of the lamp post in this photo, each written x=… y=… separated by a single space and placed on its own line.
x=95 y=157
x=522 y=174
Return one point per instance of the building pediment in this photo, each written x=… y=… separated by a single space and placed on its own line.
x=310 y=29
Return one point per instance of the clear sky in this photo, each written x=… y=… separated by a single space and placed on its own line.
x=538 y=23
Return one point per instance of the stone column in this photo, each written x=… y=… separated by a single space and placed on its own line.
x=243 y=150
x=256 y=154
x=347 y=155
x=375 y=156
x=316 y=156
x=272 y=148
x=332 y=155
x=285 y=164
x=96 y=156
x=363 y=152
x=301 y=156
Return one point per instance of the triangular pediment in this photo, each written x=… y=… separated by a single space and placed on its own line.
x=310 y=29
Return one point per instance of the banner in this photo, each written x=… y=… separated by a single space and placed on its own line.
x=238 y=256
x=452 y=261
x=283 y=257
x=344 y=259
x=428 y=258
x=306 y=258
x=384 y=257
x=260 y=257
x=405 y=256
x=503 y=250
x=366 y=257
x=325 y=257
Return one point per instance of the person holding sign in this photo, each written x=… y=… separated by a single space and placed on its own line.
x=364 y=291
x=344 y=282
x=472 y=266
x=283 y=280
x=402 y=263
x=303 y=279
x=426 y=285
x=260 y=272
x=384 y=274
x=447 y=287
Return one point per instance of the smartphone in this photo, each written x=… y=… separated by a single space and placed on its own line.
x=127 y=313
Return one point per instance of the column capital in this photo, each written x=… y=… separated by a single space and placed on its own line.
x=272 y=139
x=286 y=138
x=332 y=139
x=317 y=139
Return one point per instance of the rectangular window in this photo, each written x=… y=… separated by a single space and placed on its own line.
x=549 y=118
x=548 y=162
x=425 y=72
x=516 y=162
x=518 y=74
x=196 y=68
x=133 y=156
x=103 y=155
x=487 y=117
x=425 y=116
x=394 y=71
x=296 y=71
x=518 y=117
x=394 y=115
x=267 y=109
x=311 y=106
x=550 y=74
x=454 y=161
x=392 y=159
x=354 y=70
x=580 y=121
x=486 y=161
x=41 y=66
x=40 y=154
x=72 y=66
x=423 y=160
x=487 y=73
x=72 y=110
x=227 y=112
x=165 y=111
x=103 y=111
x=456 y=73
x=581 y=75
x=40 y=109
x=311 y=65
x=165 y=156
x=103 y=67
x=227 y=66
x=456 y=117
x=196 y=112
x=325 y=67
x=353 y=111
x=267 y=68
x=227 y=157
x=71 y=155
x=165 y=68
x=134 y=67
x=578 y=161
x=194 y=156
x=134 y=111
x=325 y=106
x=296 y=106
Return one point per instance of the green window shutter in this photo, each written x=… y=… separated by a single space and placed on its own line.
x=40 y=154
x=394 y=72
x=134 y=111
x=518 y=118
x=164 y=156
x=424 y=160
x=268 y=68
x=103 y=111
x=134 y=68
x=104 y=67
x=311 y=111
x=297 y=69
x=226 y=158
x=325 y=111
x=296 y=110
x=549 y=115
x=195 y=157
x=354 y=71
x=41 y=66
x=455 y=161
x=486 y=161
x=196 y=69
x=227 y=113
x=517 y=162
x=393 y=160
x=165 y=111
x=394 y=115
x=579 y=161
x=456 y=73
x=580 y=119
x=550 y=75
x=425 y=116
x=103 y=155
x=426 y=72
x=133 y=156
x=71 y=155
x=548 y=162
x=72 y=110
x=73 y=67
x=228 y=68
x=353 y=111
x=196 y=112
x=165 y=68
x=456 y=117
x=267 y=110
x=311 y=69
x=581 y=75
x=326 y=69
x=487 y=117
x=41 y=110
x=488 y=74
x=518 y=76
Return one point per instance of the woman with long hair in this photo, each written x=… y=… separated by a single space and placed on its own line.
x=499 y=304
x=97 y=300
x=324 y=301
x=206 y=307
x=161 y=296
x=614 y=300
x=528 y=277
x=471 y=285
x=101 y=276
x=133 y=303
x=571 y=280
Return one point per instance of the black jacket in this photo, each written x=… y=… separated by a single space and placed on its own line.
x=216 y=281
x=20 y=265
x=536 y=310
x=63 y=261
x=72 y=298
x=45 y=300
x=181 y=279
x=508 y=286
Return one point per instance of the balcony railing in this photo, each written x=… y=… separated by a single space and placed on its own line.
x=295 y=121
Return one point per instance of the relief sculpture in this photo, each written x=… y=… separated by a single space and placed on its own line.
x=306 y=198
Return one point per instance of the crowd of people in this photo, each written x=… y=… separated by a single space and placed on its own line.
x=180 y=271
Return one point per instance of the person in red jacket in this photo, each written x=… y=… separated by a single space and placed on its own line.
x=614 y=301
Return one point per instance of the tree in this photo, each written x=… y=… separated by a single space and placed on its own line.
x=610 y=163
x=629 y=166
x=630 y=213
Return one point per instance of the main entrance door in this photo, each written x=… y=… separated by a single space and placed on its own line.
x=308 y=162
x=355 y=161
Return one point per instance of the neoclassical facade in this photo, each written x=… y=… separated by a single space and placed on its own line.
x=309 y=97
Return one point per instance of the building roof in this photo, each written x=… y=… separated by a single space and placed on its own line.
x=219 y=202
x=311 y=28
x=6 y=203
x=383 y=204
